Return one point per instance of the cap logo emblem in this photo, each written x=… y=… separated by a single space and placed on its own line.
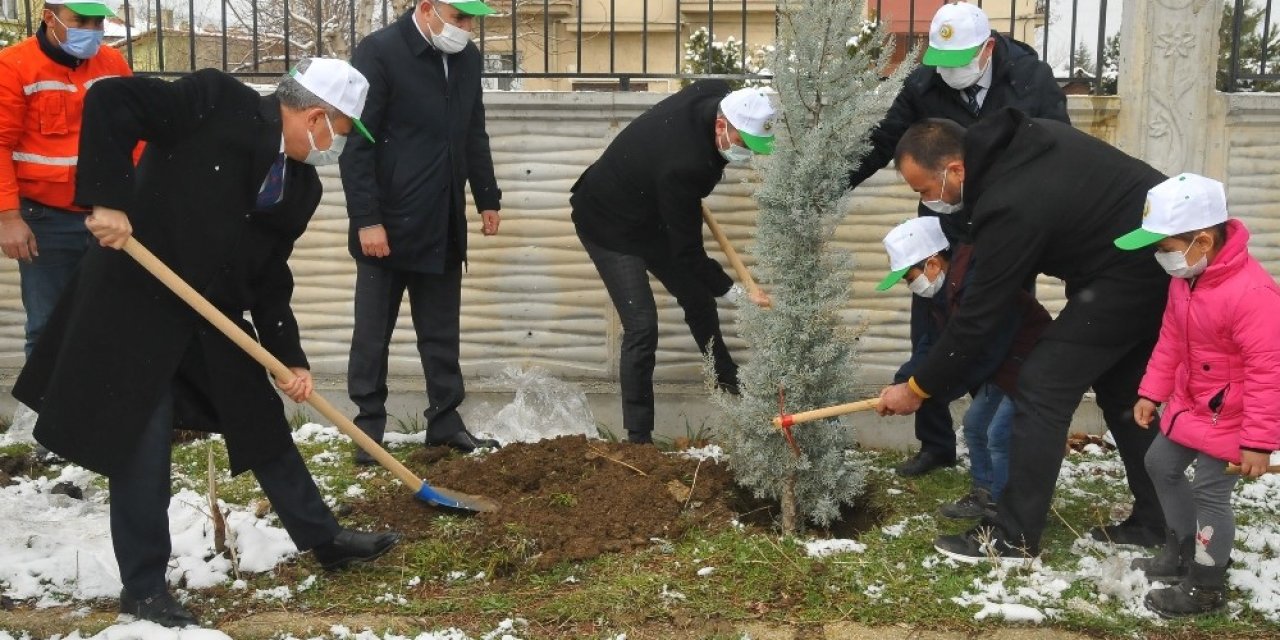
x=946 y=31
x=1146 y=210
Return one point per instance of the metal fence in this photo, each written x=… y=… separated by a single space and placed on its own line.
x=631 y=44
x=1250 y=54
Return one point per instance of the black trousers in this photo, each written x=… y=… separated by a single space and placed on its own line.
x=140 y=505
x=626 y=277
x=1054 y=378
x=435 y=301
x=934 y=428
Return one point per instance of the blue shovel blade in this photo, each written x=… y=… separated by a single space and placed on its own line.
x=440 y=496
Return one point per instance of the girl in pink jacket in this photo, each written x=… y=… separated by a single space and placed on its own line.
x=1216 y=368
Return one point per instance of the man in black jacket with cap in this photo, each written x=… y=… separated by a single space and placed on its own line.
x=638 y=210
x=969 y=71
x=1045 y=198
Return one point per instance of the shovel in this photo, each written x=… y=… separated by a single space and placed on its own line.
x=786 y=420
x=431 y=495
x=735 y=261
x=1234 y=469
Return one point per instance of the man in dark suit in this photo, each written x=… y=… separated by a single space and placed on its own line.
x=969 y=71
x=1045 y=198
x=224 y=188
x=406 y=200
x=638 y=210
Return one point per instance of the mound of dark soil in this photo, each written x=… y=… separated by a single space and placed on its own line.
x=571 y=498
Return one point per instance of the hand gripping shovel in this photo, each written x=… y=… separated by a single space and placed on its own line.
x=431 y=495
x=1234 y=469
x=786 y=420
x=735 y=261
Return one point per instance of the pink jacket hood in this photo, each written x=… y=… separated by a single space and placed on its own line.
x=1216 y=365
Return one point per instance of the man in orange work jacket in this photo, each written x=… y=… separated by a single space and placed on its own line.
x=43 y=81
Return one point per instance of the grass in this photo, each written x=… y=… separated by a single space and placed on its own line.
x=756 y=575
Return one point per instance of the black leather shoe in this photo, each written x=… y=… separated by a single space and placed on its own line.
x=463 y=441
x=1129 y=532
x=922 y=463
x=161 y=609
x=363 y=459
x=353 y=547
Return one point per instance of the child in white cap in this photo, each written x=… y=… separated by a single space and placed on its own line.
x=920 y=253
x=1216 y=370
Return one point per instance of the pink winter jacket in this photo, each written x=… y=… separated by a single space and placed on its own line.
x=1217 y=363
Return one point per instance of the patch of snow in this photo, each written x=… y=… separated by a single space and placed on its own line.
x=824 y=548
x=711 y=452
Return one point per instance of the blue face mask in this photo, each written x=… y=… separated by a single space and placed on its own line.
x=81 y=43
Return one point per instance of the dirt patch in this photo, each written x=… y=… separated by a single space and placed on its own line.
x=570 y=499
x=14 y=466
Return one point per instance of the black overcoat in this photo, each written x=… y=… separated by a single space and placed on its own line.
x=118 y=339
x=643 y=197
x=1047 y=198
x=431 y=142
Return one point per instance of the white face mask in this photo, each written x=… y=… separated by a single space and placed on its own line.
x=451 y=38
x=735 y=154
x=940 y=206
x=317 y=157
x=960 y=78
x=1175 y=263
x=926 y=288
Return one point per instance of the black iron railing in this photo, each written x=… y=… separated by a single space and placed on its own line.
x=573 y=44
x=1248 y=60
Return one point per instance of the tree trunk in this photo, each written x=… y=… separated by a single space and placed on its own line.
x=789 y=525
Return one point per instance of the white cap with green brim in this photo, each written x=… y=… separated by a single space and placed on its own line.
x=471 y=7
x=751 y=112
x=86 y=8
x=1185 y=202
x=956 y=35
x=339 y=84
x=909 y=244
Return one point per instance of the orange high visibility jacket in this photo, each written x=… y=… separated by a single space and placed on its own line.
x=40 y=106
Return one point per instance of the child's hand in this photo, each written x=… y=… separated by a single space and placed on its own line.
x=1144 y=412
x=1253 y=463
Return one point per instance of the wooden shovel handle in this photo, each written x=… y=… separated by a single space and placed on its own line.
x=789 y=419
x=735 y=261
x=255 y=350
x=1234 y=469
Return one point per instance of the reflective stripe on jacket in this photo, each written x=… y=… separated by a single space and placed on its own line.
x=40 y=105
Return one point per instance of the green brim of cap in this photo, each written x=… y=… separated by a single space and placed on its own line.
x=762 y=145
x=474 y=8
x=892 y=278
x=1139 y=238
x=90 y=9
x=363 y=131
x=935 y=57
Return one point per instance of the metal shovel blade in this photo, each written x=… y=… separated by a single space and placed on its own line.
x=438 y=496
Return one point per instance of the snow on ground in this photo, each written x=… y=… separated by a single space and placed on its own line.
x=823 y=548
x=1035 y=594
x=142 y=630
x=47 y=561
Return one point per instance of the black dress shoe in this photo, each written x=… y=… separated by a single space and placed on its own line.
x=922 y=463
x=353 y=547
x=1129 y=531
x=161 y=609
x=362 y=458
x=463 y=441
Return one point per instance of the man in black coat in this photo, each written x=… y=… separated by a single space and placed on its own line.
x=406 y=202
x=638 y=210
x=221 y=193
x=969 y=71
x=1045 y=198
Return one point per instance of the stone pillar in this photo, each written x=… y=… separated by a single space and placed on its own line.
x=1168 y=61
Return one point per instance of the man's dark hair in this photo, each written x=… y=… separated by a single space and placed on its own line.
x=931 y=143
